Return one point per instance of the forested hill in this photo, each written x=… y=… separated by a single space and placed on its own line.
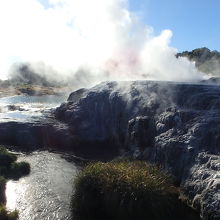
x=206 y=60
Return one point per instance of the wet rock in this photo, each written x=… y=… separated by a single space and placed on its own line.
x=35 y=135
x=203 y=185
x=76 y=95
x=141 y=133
x=14 y=108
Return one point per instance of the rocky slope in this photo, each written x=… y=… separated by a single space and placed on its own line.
x=175 y=125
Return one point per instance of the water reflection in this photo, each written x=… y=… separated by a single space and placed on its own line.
x=46 y=193
x=11 y=195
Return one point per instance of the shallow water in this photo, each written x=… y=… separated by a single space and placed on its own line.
x=27 y=108
x=46 y=192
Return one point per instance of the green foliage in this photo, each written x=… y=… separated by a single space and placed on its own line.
x=206 y=60
x=18 y=170
x=6 y=158
x=123 y=190
x=2 y=189
x=13 y=215
x=11 y=169
x=6 y=215
x=3 y=171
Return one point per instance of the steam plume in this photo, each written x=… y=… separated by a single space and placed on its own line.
x=90 y=41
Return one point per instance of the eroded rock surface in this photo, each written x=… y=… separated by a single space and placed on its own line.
x=175 y=125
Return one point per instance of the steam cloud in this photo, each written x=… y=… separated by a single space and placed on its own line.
x=90 y=41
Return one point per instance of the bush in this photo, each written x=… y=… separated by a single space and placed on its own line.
x=5 y=215
x=11 y=169
x=3 y=171
x=123 y=190
x=13 y=215
x=2 y=189
x=18 y=170
x=6 y=158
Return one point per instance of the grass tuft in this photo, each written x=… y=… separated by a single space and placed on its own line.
x=123 y=190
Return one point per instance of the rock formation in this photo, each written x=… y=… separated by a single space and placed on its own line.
x=175 y=125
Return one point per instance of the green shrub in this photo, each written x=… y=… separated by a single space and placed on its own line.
x=2 y=189
x=5 y=215
x=123 y=190
x=6 y=158
x=3 y=212
x=3 y=171
x=13 y=215
x=18 y=170
x=11 y=169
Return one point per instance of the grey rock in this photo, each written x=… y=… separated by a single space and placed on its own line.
x=76 y=95
x=30 y=136
x=203 y=185
x=140 y=135
x=175 y=125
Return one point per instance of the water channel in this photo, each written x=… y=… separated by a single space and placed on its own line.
x=46 y=192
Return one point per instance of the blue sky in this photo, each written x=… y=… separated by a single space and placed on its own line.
x=195 y=23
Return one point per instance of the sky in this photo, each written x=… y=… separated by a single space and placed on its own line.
x=194 y=23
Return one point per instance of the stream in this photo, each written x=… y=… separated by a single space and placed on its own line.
x=46 y=192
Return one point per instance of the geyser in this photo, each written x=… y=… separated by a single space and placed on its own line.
x=89 y=41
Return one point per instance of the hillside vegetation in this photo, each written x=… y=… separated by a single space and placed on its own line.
x=206 y=60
